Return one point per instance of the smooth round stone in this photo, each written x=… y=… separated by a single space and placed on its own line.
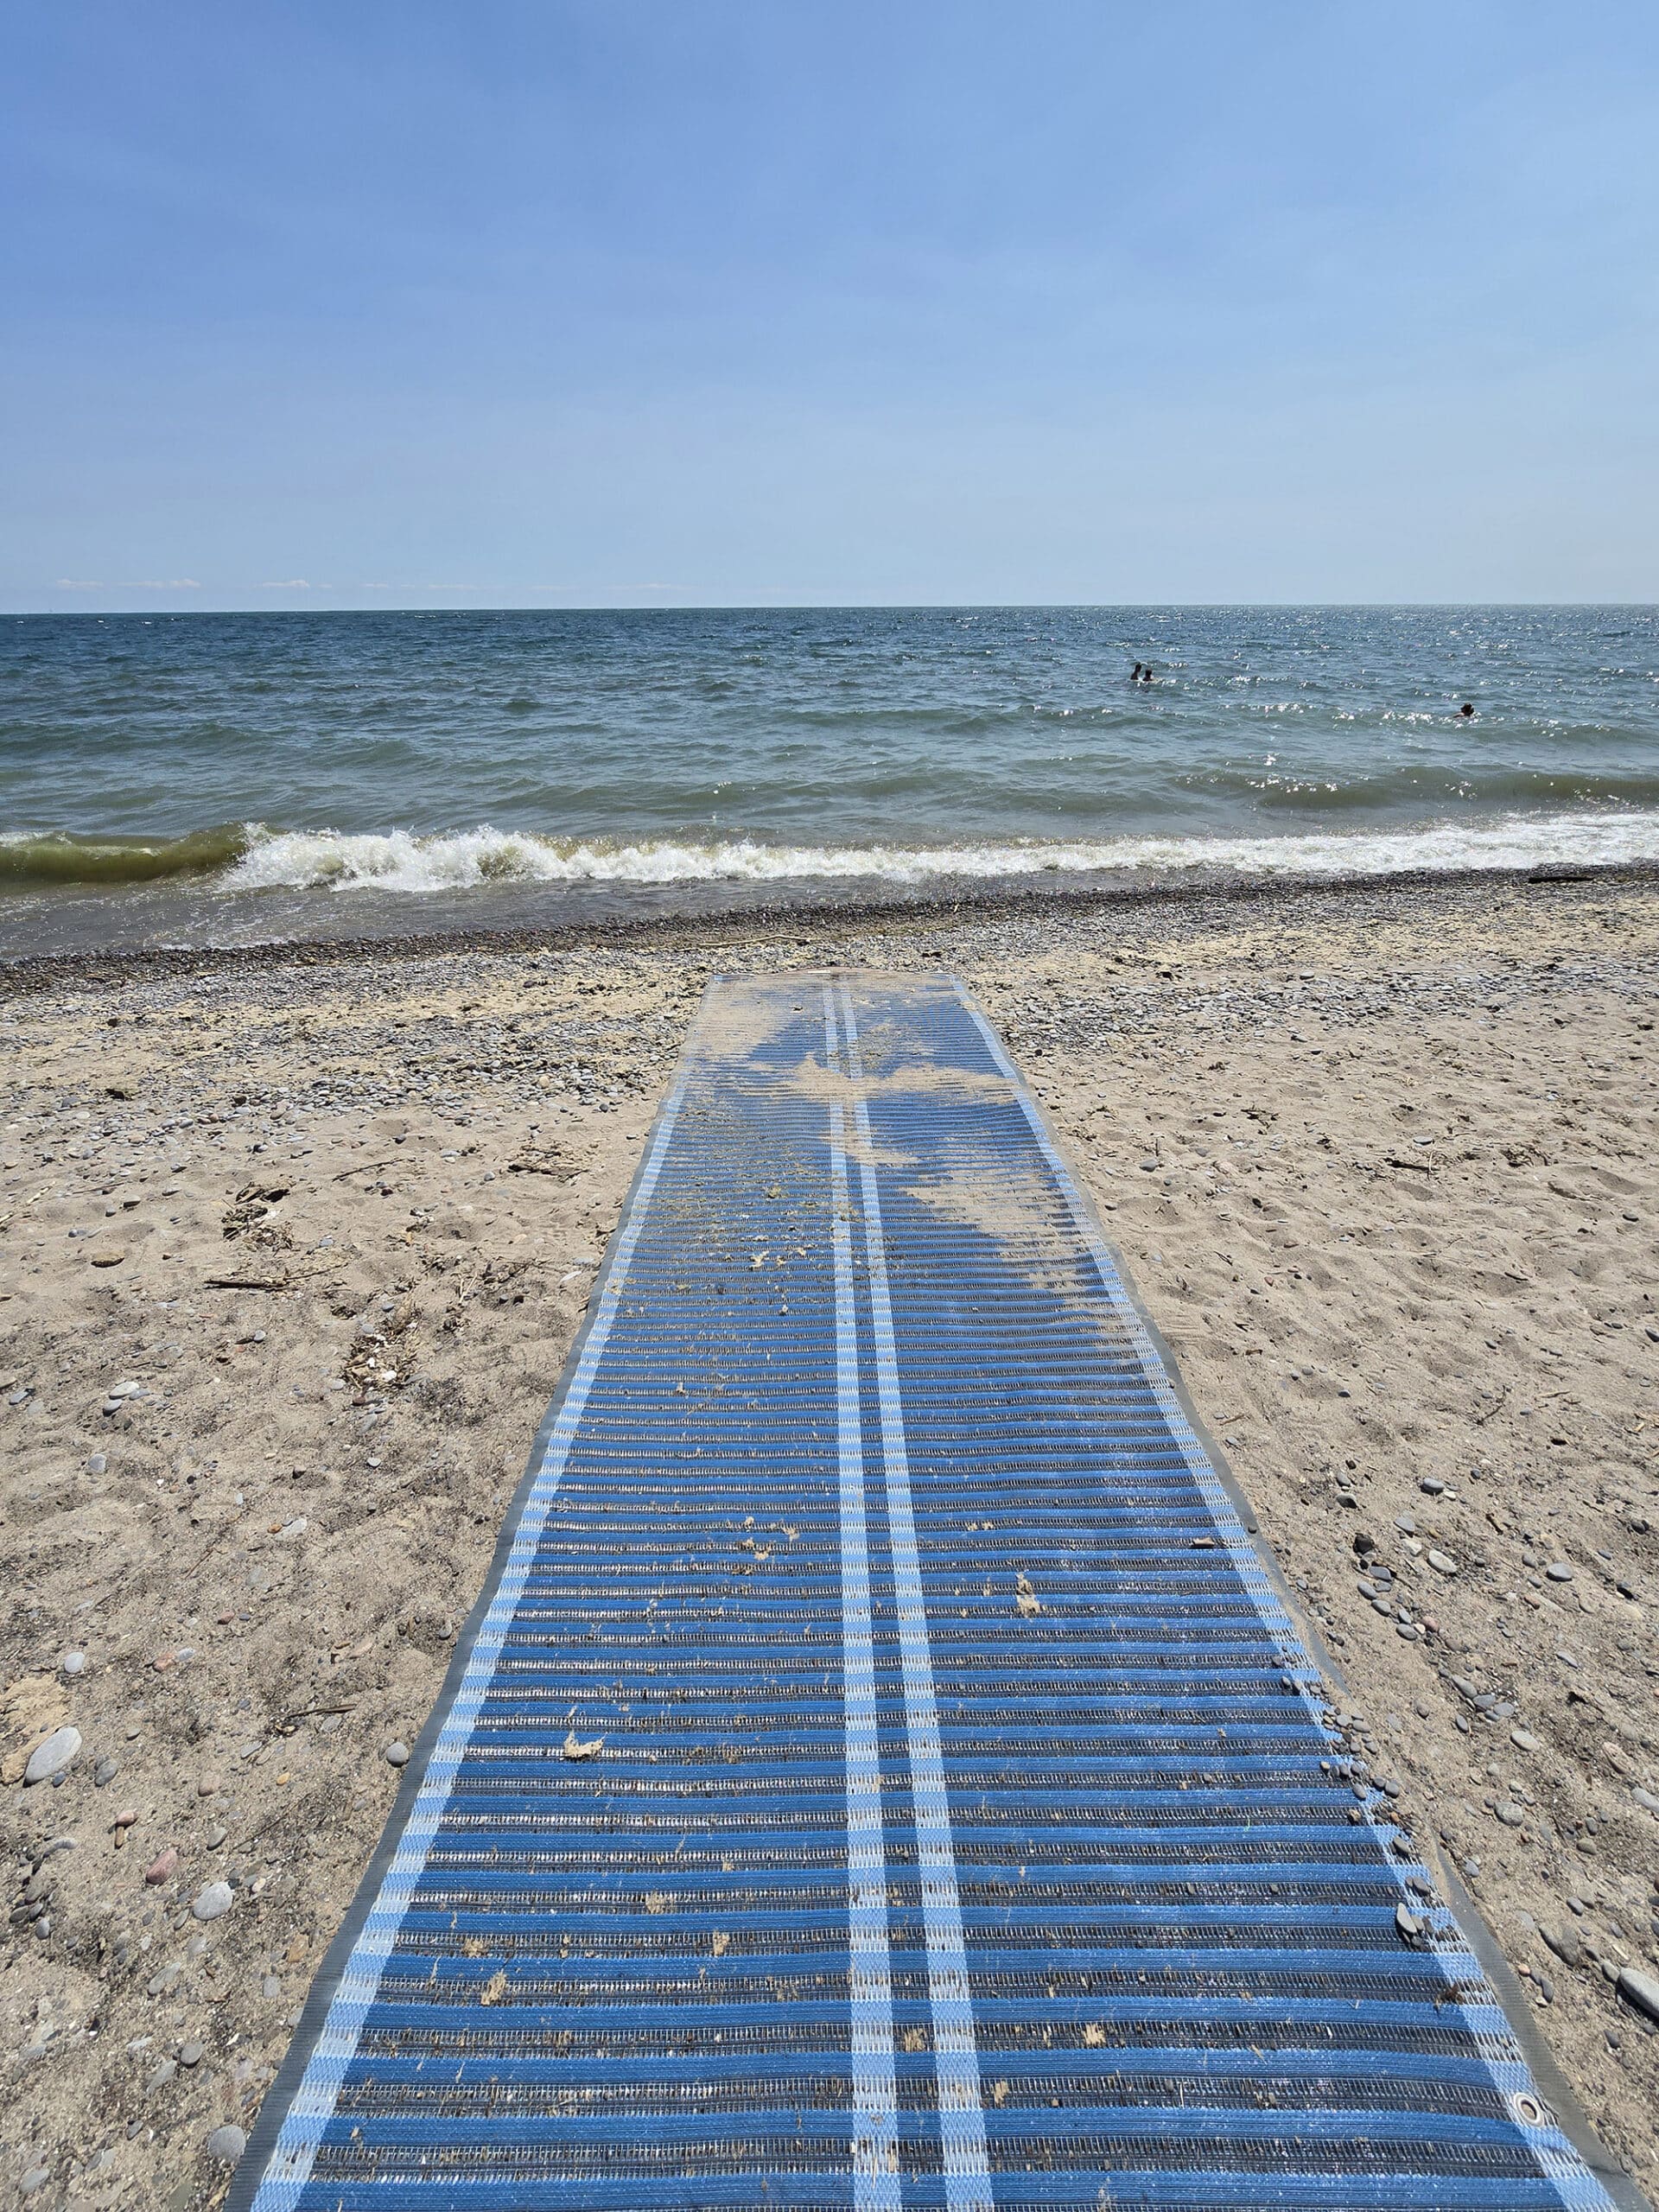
x=218 y=1898
x=74 y=1662
x=228 y=2142
x=1559 y=1571
x=1524 y=1740
x=396 y=1754
x=59 y=1751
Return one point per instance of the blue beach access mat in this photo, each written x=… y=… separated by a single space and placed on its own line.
x=880 y=1773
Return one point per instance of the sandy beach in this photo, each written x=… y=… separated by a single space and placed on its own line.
x=293 y=1246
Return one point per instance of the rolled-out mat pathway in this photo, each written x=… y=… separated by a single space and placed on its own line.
x=880 y=1773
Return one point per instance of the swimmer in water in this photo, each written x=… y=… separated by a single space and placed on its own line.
x=1466 y=712
x=1134 y=673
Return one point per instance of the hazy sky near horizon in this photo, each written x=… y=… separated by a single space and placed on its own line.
x=652 y=302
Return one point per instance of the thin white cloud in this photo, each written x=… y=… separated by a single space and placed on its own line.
x=129 y=583
x=285 y=583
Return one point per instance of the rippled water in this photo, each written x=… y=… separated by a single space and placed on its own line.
x=206 y=776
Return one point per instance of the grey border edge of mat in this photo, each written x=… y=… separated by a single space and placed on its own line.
x=262 y=2140
x=313 y=2013
x=1576 y=2122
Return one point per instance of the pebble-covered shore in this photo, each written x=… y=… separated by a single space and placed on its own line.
x=292 y=1248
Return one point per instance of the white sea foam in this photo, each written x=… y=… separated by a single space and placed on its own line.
x=398 y=861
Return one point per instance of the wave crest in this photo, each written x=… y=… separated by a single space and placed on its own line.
x=398 y=861
x=246 y=857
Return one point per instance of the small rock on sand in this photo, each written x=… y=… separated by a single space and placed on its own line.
x=1641 y=1990
x=227 y=2142
x=396 y=1754
x=59 y=1751
x=218 y=1898
x=161 y=1867
x=1565 y=1944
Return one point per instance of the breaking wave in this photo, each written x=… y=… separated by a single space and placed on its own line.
x=247 y=857
x=401 y=861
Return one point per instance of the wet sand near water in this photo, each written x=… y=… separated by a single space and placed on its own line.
x=292 y=1250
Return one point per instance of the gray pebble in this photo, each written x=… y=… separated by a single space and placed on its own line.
x=1405 y=1525
x=192 y=2054
x=36 y=2178
x=271 y=1986
x=396 y=1754
x=74 y=1662
x=1431 y=1485
x=228 y=2142
x=97 y=1464
x=1641 y=1990
x=215 y=1837
x=1559 y=1571
x=1511 y=1815
x=106 y=1771
x=1524 y=1740
x=216 y=1898
x=58 y=1752
x=162 y=2075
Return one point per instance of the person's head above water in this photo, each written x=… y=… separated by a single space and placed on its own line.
x=1467 y=711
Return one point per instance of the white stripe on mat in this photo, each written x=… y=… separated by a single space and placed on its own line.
x=875 y=2098
x=956 y=2054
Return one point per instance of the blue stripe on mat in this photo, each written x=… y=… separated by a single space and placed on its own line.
x=880 y=1774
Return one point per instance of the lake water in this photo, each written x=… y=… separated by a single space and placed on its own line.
x=203 y=779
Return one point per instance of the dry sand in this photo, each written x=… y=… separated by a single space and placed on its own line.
x=1381 y=1164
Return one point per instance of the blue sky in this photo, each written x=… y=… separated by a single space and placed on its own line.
x=652 y=302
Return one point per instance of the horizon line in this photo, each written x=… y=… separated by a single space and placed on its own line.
x=805 y=607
